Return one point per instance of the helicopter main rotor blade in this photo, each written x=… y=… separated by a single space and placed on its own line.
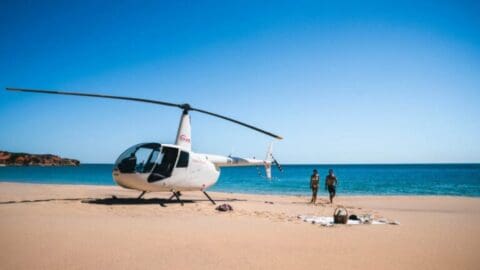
x=238 y=122
x=94 y=95
x=185 y=107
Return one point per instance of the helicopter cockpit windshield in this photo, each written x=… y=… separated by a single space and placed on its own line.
x=148 y=158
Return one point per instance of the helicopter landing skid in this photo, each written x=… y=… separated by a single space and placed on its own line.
x=141 y=195
x=208 y=196
x=177 y=195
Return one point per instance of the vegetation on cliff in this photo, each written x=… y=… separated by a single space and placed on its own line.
x=25 y=159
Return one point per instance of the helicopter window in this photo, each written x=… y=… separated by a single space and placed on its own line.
x=127 y=163
x=165 y=164
x=183 y=159
x=138 y=158
x=151 y=161
x=142 y=155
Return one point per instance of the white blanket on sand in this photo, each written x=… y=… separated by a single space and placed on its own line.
x=328 y=221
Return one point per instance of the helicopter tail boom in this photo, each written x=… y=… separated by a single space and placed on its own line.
x=230 y=161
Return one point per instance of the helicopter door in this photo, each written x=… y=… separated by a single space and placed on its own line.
x=165 y=164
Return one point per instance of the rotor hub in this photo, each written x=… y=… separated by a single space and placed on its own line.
x=186 y=107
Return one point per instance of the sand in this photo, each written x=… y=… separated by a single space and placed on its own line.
x=81 y=227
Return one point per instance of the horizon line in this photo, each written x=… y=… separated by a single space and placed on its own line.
x=342 y=163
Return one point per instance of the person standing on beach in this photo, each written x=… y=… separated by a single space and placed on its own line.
x=314 y=181
x=331 y=184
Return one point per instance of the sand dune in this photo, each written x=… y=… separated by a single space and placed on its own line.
x=81 y=227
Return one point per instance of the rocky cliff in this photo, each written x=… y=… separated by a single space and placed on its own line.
x=24 y=159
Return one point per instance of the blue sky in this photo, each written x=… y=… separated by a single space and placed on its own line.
x=343 y=82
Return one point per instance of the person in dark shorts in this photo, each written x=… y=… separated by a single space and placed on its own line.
x=331 y=184
x=314 y=183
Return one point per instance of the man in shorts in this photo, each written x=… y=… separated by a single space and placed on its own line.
x=331 y=184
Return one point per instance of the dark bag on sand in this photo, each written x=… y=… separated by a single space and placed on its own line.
x=224 y=208
x=353 y=217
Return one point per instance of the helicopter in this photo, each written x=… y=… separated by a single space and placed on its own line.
x=161 y=167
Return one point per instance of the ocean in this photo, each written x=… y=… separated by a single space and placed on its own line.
x=404 y=179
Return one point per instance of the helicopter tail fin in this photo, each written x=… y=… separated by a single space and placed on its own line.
x=184 y=132
x=268 y=161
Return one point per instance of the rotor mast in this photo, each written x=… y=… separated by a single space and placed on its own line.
x=184 y=133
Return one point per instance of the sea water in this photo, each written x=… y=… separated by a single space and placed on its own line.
x=407 y=179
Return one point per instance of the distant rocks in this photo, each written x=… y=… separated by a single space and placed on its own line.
x=24 y=159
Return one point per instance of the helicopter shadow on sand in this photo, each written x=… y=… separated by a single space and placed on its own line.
x=147 y=201
x=120 y=201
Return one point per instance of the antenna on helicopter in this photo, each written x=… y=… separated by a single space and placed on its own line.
x=185 y=107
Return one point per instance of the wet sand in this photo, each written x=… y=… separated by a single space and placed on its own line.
x=82 y=227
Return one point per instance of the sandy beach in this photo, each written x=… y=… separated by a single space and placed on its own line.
x=82 y=227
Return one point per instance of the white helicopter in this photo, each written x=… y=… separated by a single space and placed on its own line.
x=156 y=167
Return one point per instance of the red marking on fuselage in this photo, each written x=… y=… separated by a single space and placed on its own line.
x=184 y=138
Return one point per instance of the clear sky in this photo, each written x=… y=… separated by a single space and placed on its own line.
x=342 y=81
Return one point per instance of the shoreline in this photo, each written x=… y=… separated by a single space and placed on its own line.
x=321 y=192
